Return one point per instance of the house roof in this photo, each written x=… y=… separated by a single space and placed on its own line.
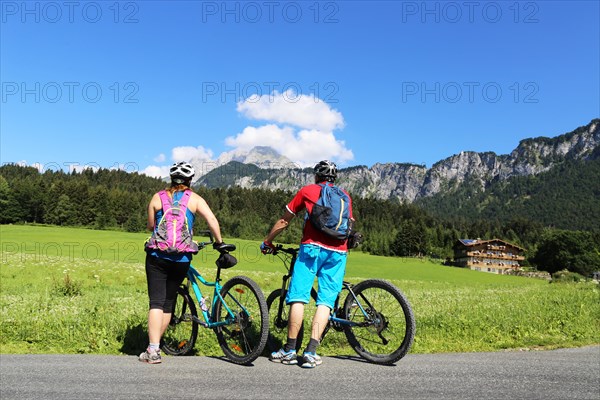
x=473 y=242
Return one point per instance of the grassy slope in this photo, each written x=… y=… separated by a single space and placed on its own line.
x=76 y=290
x=48 y=243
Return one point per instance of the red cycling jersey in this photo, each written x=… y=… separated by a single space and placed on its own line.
x=305 y=199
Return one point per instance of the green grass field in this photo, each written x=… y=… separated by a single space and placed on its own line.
x=67 y=290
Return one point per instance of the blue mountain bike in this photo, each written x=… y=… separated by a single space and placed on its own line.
x=237 y=313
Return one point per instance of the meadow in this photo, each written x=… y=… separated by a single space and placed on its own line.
x=69 y=290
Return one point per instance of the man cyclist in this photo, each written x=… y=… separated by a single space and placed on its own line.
x=320 y=256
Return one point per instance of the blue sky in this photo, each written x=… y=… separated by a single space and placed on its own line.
x=141 y=84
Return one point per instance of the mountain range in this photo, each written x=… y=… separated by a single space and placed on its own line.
x=410 y=182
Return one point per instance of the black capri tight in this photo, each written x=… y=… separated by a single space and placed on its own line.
x=164 y=277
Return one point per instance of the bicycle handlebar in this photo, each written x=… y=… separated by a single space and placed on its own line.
x=210 y=236
x=288 y=250
x=224 y=248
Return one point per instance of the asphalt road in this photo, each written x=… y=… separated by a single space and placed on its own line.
x=557 y=374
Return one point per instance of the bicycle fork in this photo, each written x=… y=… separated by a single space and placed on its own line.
x=279 y=322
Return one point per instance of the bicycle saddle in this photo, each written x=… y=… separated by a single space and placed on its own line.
x=223 y=247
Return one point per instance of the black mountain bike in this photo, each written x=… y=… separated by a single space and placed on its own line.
x=375 y=316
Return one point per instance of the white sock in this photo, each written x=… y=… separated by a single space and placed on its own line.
x=154 y=346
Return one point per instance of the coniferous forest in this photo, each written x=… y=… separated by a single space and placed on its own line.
x=556 y=236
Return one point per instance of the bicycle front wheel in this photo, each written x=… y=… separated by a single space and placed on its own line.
x=244 y=336
x=384 y=327
x=181 y=334
x=278 y=322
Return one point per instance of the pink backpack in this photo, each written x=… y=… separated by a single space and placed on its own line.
x=172 y=234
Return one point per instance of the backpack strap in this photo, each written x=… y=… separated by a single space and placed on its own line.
x=165 y=199
x=185 y=198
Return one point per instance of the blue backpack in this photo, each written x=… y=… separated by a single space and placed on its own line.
x=331 y=213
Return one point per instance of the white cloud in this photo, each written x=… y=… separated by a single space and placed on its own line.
x=305 y=147
x=199 y=157
x=266 y=135
x=156 y=171
x=312 y=146
x=190 y=154
x=299 y=127
x=303 y=111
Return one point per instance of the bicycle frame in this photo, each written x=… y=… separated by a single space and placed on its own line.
x=193 y=277
x=343 y=321
x=285 y=280
x=345 y=286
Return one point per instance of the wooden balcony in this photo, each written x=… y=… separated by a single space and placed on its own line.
x=495 y=256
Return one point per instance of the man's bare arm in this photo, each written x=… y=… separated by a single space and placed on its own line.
x=279 y=226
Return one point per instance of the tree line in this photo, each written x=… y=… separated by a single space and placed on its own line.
x=113 y=199
x=567 y=196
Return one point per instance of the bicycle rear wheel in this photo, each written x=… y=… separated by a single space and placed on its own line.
x=244 y=337
x=180 y=337
x=278 y=323
x=385 y=334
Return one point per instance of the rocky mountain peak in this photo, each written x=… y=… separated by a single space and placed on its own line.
x=261 y=156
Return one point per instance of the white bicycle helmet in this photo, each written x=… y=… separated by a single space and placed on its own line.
x=181 y=172
x=326 y=169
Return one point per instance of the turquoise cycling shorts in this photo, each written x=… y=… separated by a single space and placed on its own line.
x=328 y=266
